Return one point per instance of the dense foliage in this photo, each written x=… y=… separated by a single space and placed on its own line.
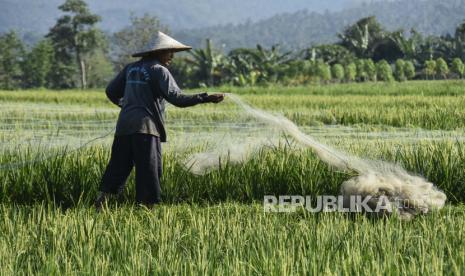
x=75 y=53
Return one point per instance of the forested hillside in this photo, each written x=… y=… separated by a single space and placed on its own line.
x=293 y=24
x=304 y=28
x=37 y=16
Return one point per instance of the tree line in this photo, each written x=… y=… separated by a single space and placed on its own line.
x=76 y=53
x=366 y=51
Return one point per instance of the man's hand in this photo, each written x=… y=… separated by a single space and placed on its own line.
x=215 y=98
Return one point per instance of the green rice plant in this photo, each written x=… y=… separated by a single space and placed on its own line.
x=215 y=224
x=230 y=239
x=68 y=179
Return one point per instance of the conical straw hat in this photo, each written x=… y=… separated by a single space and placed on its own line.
x=162 y=42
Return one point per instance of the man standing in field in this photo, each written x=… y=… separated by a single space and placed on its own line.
x=141 y=89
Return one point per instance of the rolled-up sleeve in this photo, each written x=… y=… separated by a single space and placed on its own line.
x=171 y=92
x=115 y=89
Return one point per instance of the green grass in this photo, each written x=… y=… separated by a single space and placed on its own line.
x=214 y=224
x=432 y=105
x=67 y=179
x=225 y=239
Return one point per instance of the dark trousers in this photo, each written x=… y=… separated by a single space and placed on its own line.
x=143 y=151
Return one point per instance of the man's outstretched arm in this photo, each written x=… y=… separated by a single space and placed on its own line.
x=173 y=94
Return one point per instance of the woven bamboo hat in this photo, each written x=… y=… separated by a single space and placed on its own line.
x=162 y=42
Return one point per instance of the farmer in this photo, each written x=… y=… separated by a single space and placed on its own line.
x=141 y=89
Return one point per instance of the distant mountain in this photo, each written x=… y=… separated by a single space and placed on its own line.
x=37 y=16
x=304 y=28
x=237 y=23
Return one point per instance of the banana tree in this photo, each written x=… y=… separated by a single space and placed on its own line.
x=270 y=62
x=240 y=68
x=330 y=54
x=260 y=64
x=207 y=63
x=363 y=37
x=408 y=46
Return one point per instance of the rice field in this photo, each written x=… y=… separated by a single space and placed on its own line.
x=54 y=146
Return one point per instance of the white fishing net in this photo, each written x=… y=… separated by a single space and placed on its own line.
x=410 y=194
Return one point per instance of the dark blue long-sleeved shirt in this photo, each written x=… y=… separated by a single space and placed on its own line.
x=141 y=89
